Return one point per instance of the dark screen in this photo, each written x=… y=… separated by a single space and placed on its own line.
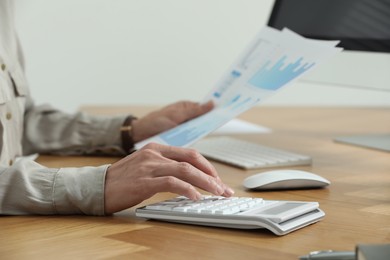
x=359 y=24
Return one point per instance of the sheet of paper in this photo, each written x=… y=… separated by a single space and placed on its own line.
x=238 y=126
x=273 y=60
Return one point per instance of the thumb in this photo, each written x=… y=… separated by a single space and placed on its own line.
x=200 y=109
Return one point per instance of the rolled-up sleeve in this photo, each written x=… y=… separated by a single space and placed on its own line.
x=30 y=188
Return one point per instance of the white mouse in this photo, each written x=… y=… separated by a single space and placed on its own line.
x=285 y=179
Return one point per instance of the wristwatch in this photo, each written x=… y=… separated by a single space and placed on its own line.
x=127 y=135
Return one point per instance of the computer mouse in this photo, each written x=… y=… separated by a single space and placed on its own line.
x=285 y=179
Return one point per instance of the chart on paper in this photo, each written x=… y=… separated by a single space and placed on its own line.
x=272 y=61
x=274 y=76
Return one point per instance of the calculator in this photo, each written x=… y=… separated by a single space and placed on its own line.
x=278 y=216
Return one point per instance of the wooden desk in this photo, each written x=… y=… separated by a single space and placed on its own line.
x=357 y=204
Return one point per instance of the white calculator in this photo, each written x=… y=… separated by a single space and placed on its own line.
x=280 y=217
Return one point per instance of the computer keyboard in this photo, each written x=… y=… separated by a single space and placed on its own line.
x=247 y=155
x=280 y=217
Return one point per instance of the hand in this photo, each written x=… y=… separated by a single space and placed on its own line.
x=159 y=168
x=167 y=118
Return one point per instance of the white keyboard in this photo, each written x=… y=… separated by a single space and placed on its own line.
x=247 y=155
x=280 y=217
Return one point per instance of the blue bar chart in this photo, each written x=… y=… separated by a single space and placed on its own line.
x=270 y=62
x=272 y=77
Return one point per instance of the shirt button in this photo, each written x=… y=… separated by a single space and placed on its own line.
x=3 y=67
x=11 y=162
x=8 y=116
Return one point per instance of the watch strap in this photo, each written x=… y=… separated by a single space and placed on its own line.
x=126 y=134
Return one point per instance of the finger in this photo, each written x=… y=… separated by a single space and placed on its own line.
x=186 y=110
x=174 y=185
x=198 y=162
x=189 y=174
x=190 y=156
x=197 y=109
x=228 y=191
x=205 y=107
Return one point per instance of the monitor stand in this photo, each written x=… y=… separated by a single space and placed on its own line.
x=374 y=141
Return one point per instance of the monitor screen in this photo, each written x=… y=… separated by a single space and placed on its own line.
x=363 y=28
x=359 y=24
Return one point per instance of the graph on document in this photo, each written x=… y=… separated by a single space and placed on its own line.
x=272 y=77
x=226 y=83
x=239 y=103
x=272 y=60
x=257 y=51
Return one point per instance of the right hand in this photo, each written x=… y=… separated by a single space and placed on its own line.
x=159 y=168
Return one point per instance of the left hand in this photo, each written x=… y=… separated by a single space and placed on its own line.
x=167 y=118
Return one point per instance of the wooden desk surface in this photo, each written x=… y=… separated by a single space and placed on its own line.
x=357 y=204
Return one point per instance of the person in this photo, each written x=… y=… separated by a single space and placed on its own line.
x=27 y=187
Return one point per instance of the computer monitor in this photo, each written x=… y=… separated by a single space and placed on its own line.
x=363 y=27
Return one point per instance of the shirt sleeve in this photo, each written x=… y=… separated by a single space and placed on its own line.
x=48 y=130
x=27 y=187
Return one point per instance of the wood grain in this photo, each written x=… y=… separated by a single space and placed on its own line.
x=357 y=203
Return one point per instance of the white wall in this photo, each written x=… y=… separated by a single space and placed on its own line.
x=147 y=51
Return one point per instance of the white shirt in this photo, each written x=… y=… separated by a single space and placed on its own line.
x=25 y=186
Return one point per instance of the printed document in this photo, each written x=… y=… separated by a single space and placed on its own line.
x=273 y=60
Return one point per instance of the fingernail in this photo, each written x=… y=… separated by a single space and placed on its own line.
x=208 y=104
x=229 y=191
x=198 y=196
x=220 y=189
